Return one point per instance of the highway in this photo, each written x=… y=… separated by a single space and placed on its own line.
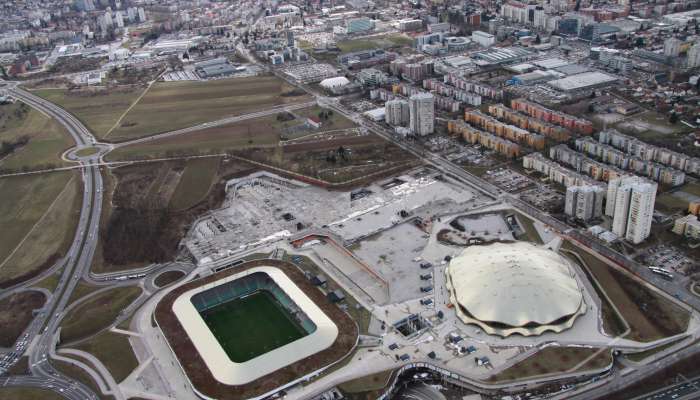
x=682 y=390
x=76 y=265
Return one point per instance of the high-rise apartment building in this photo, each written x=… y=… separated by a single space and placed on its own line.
x=630 y=201
x=584 y=202
x=672 y=47
x=397 y=112
x=694 y=56
x=422 y=114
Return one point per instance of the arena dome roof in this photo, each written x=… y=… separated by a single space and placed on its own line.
x=508 y=288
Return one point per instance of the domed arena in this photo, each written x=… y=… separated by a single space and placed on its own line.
x=509 y=288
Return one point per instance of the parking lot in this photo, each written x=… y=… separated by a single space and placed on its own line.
x=668 y=257
x=508 y=180
x=394 y=254
x=264 y=207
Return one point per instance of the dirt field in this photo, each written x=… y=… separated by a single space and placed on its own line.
x=364 y=155
x=26 y=212
x=649 y=315
x=16 y=313
x=28 y=394
x=97 y=109
x=258 y=132
x=195 y=182
x=182 y=104
x=47 y=138
x=97 y=313
x=138 y=217
x=555 y=359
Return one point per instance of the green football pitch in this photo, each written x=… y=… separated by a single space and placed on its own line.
x=251 y=326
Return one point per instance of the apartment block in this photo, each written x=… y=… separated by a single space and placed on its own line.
x=503 y=130
x=630 y=201
x=556 y=172
x=472 y=135
x=444 y=89
x=397 y=112
x=687 y=226
x=554 y=117
x=422 y=113
x=583 y=164
x=473 y=86
x=551 y=131
x=584 y=202
x=649 y=152
x=650 y=169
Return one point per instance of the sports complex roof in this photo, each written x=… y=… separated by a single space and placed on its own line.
x=508 y=288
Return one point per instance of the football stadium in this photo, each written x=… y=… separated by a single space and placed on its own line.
x=253 y=330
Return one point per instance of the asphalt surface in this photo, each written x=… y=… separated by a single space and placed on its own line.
x=76 y=264
x=682 y=390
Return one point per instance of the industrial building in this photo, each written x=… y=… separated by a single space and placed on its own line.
x=584 y=81
x=215 y=68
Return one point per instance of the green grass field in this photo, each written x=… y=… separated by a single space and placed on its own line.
x=195 y=182
x=47 y=138
x=174 y=105
x=250 y=326
x=26 y=212
x=98 y=111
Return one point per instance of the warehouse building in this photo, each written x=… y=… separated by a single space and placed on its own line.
x=584 y=81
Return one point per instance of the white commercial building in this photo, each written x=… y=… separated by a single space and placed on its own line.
x=630 y=201
x=422 y=113
x=397 y=112
x=483 y=38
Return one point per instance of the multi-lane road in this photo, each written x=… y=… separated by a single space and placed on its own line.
x=75 y=264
